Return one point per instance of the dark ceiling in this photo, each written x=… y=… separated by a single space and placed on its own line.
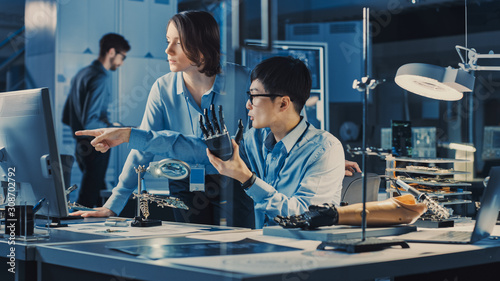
x=426 y=19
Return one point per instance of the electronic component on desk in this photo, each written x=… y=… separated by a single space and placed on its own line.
x=422 y=168
x=110 y=231
x=116 y=222
x=428 y=169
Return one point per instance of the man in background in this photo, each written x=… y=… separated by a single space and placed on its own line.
x=87 y=108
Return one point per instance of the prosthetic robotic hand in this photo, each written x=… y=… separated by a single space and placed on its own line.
x=396 y=210
x=318 y=215
x=216 y=135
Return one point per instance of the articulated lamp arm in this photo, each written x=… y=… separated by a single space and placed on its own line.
x=473 y=57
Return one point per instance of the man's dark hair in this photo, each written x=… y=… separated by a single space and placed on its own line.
x=112 y=40
x=285 y=76
x=200 y=39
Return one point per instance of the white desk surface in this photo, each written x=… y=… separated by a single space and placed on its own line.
x=307 y=261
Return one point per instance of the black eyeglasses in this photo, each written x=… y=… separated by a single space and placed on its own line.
x=123 y=55
x=250 y=96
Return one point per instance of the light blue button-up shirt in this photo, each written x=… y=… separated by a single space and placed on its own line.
x=170 y=106
x=306 y=167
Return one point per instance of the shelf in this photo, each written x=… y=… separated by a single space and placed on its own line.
x=439 y=172
x=435 y=195
x=427 y=176
x=455 y=202
x=428 y=160
x=442 y=194
x=434 y=183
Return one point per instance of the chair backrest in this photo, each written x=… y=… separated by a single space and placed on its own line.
x=352 y=188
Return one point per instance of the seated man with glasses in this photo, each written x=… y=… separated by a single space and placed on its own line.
x=283 y=162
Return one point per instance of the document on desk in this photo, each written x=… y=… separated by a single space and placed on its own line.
x=165 y=229
x=209 y=248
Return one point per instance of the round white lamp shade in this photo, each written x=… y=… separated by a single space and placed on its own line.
x=434 y=81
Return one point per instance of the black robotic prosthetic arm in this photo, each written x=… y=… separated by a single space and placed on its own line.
x=318 y=215
x=216 y=135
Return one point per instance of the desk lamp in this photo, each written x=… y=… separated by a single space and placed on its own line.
x=434 y=81
x=441 y=83
x=415 y=80
x=447 y=84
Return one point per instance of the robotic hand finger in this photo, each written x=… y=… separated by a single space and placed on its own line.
x=216 y=135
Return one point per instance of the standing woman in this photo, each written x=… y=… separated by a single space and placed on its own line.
x=175 y=102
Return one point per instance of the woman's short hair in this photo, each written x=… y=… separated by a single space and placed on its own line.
x=200 y=39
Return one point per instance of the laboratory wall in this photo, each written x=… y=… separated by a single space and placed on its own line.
x=63 y=37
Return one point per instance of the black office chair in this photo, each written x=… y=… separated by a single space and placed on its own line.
x=352 y=188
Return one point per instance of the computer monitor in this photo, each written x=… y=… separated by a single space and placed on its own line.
x=30 y=157
x=313 y=54
x=401 y=138
x=491 y=143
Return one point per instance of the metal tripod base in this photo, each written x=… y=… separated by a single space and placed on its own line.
x=358 y=245
x=141 y=222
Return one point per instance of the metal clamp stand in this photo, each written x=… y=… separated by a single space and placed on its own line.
x=366 y=84
x=142 y=204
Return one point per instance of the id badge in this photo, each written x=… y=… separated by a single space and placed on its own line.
x=197 y=178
